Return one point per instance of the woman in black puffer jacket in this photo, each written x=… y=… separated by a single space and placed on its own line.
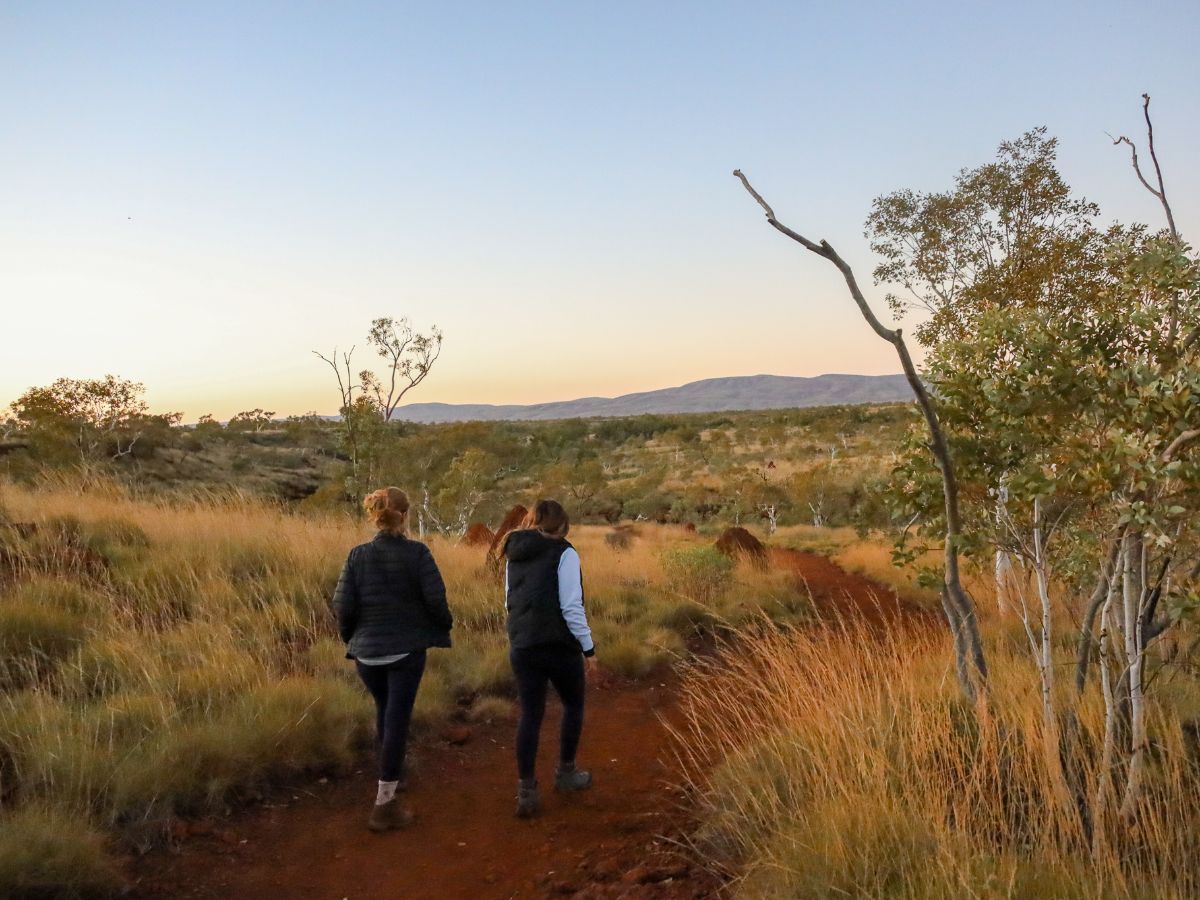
x=391 y=606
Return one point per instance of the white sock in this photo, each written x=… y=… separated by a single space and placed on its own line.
x=386 y=792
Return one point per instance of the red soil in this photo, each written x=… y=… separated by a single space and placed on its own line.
x=738 y=542
x=838 y=593
x=478 y=535
x=466 y=842
x=618 y=840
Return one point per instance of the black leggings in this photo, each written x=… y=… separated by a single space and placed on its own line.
x=535 y=667
x=394 y=688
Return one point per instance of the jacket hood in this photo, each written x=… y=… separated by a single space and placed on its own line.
x=526 y=544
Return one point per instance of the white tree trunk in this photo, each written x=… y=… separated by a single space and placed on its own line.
x=1108 y=748
x=1004 y=581
x=1044 y=652
x=1004 y=564
x=1133 y=596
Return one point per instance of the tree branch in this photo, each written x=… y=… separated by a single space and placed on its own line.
x=1179 y=443
x=1161 y=191
x=959 y=607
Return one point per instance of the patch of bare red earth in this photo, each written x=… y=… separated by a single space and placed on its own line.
x=616 y=841
x=841 y=595
x=613 y=841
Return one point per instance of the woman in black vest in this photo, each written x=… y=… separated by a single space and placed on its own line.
x=391 y=606
x=550 y=639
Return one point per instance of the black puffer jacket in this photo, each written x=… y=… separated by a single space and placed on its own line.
x=391 y=599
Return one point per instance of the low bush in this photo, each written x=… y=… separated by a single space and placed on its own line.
x=34 y=638
x=46 y=854
x=700 y=574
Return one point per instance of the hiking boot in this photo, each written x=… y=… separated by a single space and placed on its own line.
x=572 y=779
x=390 y=816
x=529 y=802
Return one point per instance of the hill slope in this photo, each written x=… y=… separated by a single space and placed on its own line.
x=709 y=395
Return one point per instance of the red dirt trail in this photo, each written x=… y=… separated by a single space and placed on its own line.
x=839 y=593
x=616 y=841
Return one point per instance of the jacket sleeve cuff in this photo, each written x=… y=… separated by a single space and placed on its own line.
x=590 y=651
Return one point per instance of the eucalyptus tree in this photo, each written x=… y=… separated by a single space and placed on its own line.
x=1079 y=402
x=95 y=417
x=1060 y=426
x=367 y=401
x=1008 y=235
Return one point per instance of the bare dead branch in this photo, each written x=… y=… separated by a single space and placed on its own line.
x=959 y=607
x=1161 y=191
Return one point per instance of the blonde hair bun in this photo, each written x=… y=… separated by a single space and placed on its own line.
x=387 y=508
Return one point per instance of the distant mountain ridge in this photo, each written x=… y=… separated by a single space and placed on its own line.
x=746 y=392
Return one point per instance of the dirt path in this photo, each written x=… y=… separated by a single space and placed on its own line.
x=837 y=592
x=466 y=842
x=614 y=841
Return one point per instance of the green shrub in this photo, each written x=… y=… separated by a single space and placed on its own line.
x=25 y=717
x=129 y=718
x=480 y=664
x=683 y=618
x=700 y=574
x=46 y=853
x=302 y=723
x=271 y=731
x=628 y=656
x=158 y=591
x=326 y=658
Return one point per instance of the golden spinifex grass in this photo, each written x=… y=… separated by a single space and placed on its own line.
x=842 y=762
x=166 y=658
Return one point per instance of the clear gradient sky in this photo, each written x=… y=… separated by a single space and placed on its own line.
x=196 y=195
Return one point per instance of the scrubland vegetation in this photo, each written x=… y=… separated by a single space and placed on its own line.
x=166 y=659
x=1057 y=456
x=848 y=765
x=823 y=466
x=166 y=648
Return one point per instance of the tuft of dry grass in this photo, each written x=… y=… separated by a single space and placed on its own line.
x=841 y=762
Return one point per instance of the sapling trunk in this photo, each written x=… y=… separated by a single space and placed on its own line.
x=1045 y=657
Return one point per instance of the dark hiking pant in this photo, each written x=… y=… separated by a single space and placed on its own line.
x=394 y=689
x=535 y=668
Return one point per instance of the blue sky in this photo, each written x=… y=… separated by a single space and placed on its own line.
x=197 y=195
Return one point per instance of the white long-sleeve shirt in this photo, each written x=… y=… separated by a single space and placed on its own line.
x=570 y=598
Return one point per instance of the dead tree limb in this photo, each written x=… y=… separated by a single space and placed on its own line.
x=1161 y=191
x=956 y=602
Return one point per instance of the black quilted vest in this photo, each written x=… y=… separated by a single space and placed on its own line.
x=535 y=618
